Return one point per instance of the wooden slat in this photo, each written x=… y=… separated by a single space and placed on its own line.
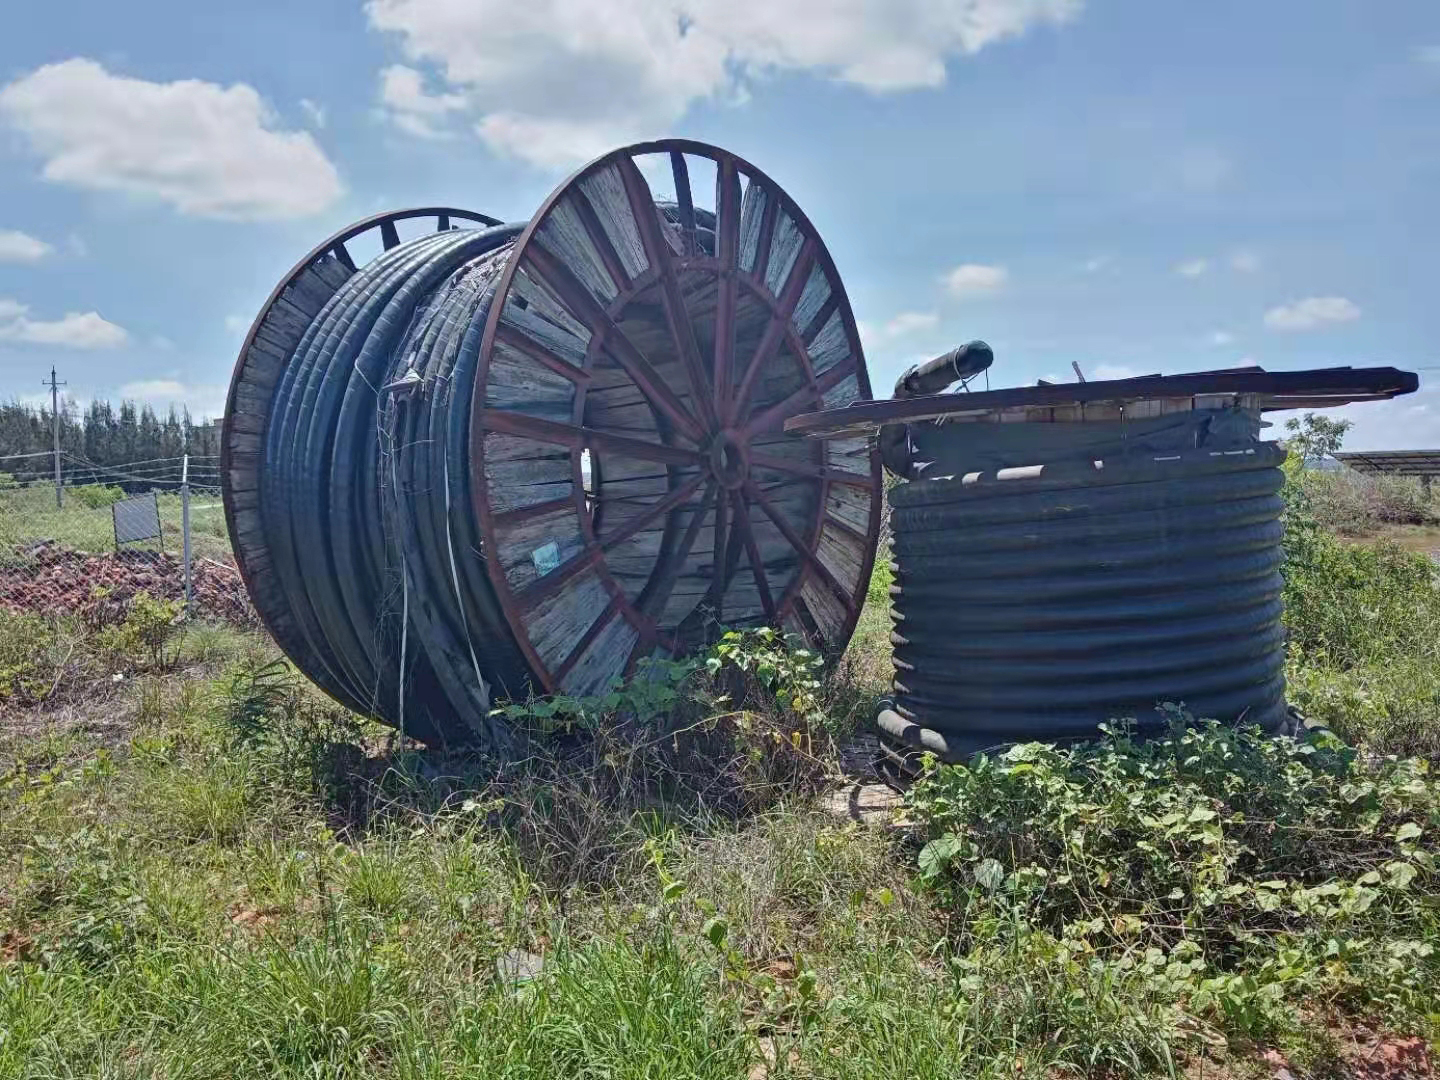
x=576 y=438
x=727 y=247
x=534 y=510
x=775 y=330
x=777 y=414
x=793 y=539
x=652 y=603
x=682 y=332
x=388 y=236
x=811 y=472
x=586 y=640
x=547 y=586
x=664 y=506
x=523 y=342
x=584 y=307
x=613 y=266
x=680 y=171
x=752 y=553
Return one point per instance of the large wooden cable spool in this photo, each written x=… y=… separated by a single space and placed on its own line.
x=560 y=444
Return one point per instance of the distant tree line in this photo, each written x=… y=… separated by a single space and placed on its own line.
x=103 y=435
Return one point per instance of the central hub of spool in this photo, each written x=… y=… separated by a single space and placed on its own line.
x=729 y=463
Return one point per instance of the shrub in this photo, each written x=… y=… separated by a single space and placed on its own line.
x=140 y=639
x=1240 y=871
x=96 y=496
x=1364 y=623
x=1354 y=503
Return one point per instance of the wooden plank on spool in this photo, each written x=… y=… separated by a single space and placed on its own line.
x=520 y=472
x=529 y=544
x=813 y=297
x=842 y=553
x=607 y=197
x=603 y=658
x=850 y=506
x=830 y=345
x=558 y=621
x=785 y=248
x=831 y=617
x=516 y=383
x=564 y=235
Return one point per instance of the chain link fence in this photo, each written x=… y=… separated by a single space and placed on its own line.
x=103 y=533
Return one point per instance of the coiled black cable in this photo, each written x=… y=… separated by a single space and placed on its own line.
x=367 y=504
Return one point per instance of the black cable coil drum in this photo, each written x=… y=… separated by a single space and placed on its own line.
x=497 y=460
x=1037 y=603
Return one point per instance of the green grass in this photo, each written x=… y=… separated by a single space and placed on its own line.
x=206 y=870
x=28 y=515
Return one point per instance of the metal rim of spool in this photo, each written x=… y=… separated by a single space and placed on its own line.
x=335 y=247
x=716 y=435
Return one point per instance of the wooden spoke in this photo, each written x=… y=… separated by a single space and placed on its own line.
x=682 y=330
x=585 y=308
x=551 y=583
x=766 y=235
x=528 y=513
x=777 y=414
x=794 y=540
x=811 y=471
x=522 y=342
x=343 y=254
x=388 y=235
x=586 y=639
x=775 y=332
x=442 y=222
x=657 y=593
x=690 y=243
x=613 y=266
x=752 y=552
x=728 y=249
x=653 y=513
x=811 y=332
x=718 y=582
x=577 y=438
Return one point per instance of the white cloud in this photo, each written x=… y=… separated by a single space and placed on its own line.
x=207 y=150
x=552 y=81
x=975 y=279
x=1311 y=312
x=16 y=246
x=237 y=324
x=899 y=326
x=1098 y=263
x=1192 y=267
x=77 y=245
x=908 y=322
x=73 y=330
x=314 y=110
x=1222 y=337
x=161 y=394
x=1428 y=54
x=412 y=107
x=1244 y=262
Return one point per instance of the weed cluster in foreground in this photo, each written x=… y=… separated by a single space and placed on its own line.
x=1238 y=876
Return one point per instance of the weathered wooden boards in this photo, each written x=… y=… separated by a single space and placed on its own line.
x=673 y=357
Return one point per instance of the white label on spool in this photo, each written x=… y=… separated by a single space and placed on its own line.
x=546 y=558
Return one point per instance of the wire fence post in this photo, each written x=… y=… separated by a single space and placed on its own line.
x=185 y=531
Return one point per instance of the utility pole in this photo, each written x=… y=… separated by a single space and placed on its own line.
x=54 y=386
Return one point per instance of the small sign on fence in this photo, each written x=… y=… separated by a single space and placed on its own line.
x=137 y=519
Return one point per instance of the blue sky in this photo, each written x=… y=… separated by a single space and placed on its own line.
x=1134 y=185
